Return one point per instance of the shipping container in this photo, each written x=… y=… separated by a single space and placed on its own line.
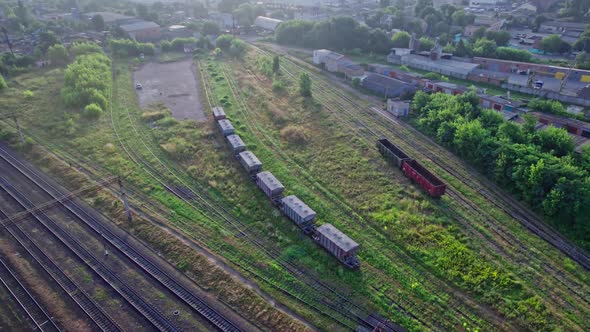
x=433 y=185
x=338 y=244
x=298 y=212
x=250 y=162
x=269 y=185
x=392 y=152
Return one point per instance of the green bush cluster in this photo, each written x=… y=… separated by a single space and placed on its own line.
x=87 y=84
x=128 y=47
x=81 y=48
x=177 y=44
x=538 y=166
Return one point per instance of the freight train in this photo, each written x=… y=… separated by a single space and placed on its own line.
x=327 y=236
x=411 y=168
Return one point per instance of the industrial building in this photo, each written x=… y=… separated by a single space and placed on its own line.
x=142 y=31
x=458 y=69
x=267 y=23
x=398 y=107
x=386 y=86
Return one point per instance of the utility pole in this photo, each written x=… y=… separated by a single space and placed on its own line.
x=20 y=133
x=7 y=40
x=125 y=202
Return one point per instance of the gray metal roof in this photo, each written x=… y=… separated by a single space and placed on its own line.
x=250 y=159
x=218 y=110
x=225 y=124
x=386 y=81
x=235 y=141
x=270 y=180
x=298 y=206
x=439 y=65
x=137 y=26
x=336 y=236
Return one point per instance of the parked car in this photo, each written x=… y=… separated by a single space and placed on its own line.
x=138 y=86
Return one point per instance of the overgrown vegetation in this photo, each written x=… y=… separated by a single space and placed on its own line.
x=539 y=166
x=129 y=47
x=88 y=83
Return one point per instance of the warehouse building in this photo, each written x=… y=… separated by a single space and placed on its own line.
x=386 y=86
x=446 y=67
x=142 y=31
x=267 y=23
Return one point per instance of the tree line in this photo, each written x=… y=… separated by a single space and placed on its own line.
x=539 y=167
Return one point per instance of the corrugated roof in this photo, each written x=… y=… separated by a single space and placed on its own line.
x=335 y=235
x=250 y=159
x=298 y=206
x=389 y=82
x=270 y=180
x=137 y=26
x=218 y=110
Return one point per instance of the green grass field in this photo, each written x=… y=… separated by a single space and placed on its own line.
x=420 y=267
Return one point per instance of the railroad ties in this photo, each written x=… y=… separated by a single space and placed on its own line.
x=144 y=263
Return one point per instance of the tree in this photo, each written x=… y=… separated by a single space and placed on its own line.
x=384 y=3
x=3 y=84
x=379 y=42
x=554 y=44
x=237 y=48
x=509 y=53
x=426 y=44
x=479 y=33
x=210 y=29
x=98 y=22
x=583 y=61
x=275 y=64
x=401 y=39
x=304 y=85
x=224 y=42
x=142 y=11
x=420 y=5
x=484 y=48
x=554 y=140
x=500 y=37
x=462 y=50
x=46 y=40
x=583 y=43
x=511 y=132
x=22 y=13
x=58 y=55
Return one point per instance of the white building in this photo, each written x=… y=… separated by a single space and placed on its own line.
x=398 y=107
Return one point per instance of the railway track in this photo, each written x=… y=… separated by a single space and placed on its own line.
x=38 y=316
x=140 y=260
x=148 y=311
x=456 y=307
x=436 y=324
x=370 y=134
x=571 y=285
x=490 y=192
x=77 y=294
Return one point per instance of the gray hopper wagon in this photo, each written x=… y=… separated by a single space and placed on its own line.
x=338 y=244
x=218 y=113
x=236 y=144
x=299 y=212
x=269 y=184
x=250 y=162
x=225 y=127
x=392 y=152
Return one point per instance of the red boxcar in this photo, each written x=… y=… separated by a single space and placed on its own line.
x=433 y=185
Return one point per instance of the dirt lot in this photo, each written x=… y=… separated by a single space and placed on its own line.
x=174 y=84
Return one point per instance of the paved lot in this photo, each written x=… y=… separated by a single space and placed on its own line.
x=174 y=84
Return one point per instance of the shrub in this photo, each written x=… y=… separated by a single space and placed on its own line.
x=295 y=134
x=128 y=47
x=92 y=111
x=278 y=86
x=58 y=55
x=153 y=116
x=80 y=48
x=224 y=42
x=88 y=81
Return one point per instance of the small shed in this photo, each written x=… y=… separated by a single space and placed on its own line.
x=218 y=113
x=225 y=127
x=250 y=162
x=398 y=107
x=269 y=184
x=236 y=144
